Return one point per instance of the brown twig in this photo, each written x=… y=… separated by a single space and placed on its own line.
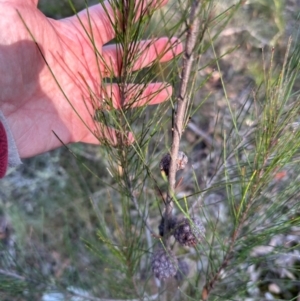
x=182 y=101
x=208 y=287
x=182 y=97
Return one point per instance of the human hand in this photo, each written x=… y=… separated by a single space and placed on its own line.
x=30 y=97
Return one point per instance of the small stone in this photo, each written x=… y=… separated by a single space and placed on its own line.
x=269 y=296
x=274 y=288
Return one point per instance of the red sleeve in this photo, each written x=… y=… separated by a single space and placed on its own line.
x=3 y=151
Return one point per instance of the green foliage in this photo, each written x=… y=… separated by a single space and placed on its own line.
x=93 y=212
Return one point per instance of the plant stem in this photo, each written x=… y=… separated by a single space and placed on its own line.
x=208 y=287
x=182 y=98
x=182 y=101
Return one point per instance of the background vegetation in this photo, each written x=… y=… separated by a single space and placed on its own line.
x=68 y=233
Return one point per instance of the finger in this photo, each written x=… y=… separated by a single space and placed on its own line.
x=103 y=18
x=24 y=2
x=146 y=53
x=135 y=95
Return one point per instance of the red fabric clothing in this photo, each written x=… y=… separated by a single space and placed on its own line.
x=3 y=151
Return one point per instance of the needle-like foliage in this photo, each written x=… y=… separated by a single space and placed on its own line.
x=219 y=219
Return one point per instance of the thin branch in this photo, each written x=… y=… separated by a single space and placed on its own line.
x=193 y=127
x=215 y=177
x=142 y=216
x=182 y=101
x=137 y=207
x=209 y=285
x=182 y=97
x=12 y=275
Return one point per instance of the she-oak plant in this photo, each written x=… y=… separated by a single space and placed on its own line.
x=246 y=171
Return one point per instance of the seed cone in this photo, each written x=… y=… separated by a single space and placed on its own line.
x=189 y=233
x=181 y=162
x=164 y=264
x=171 y=225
